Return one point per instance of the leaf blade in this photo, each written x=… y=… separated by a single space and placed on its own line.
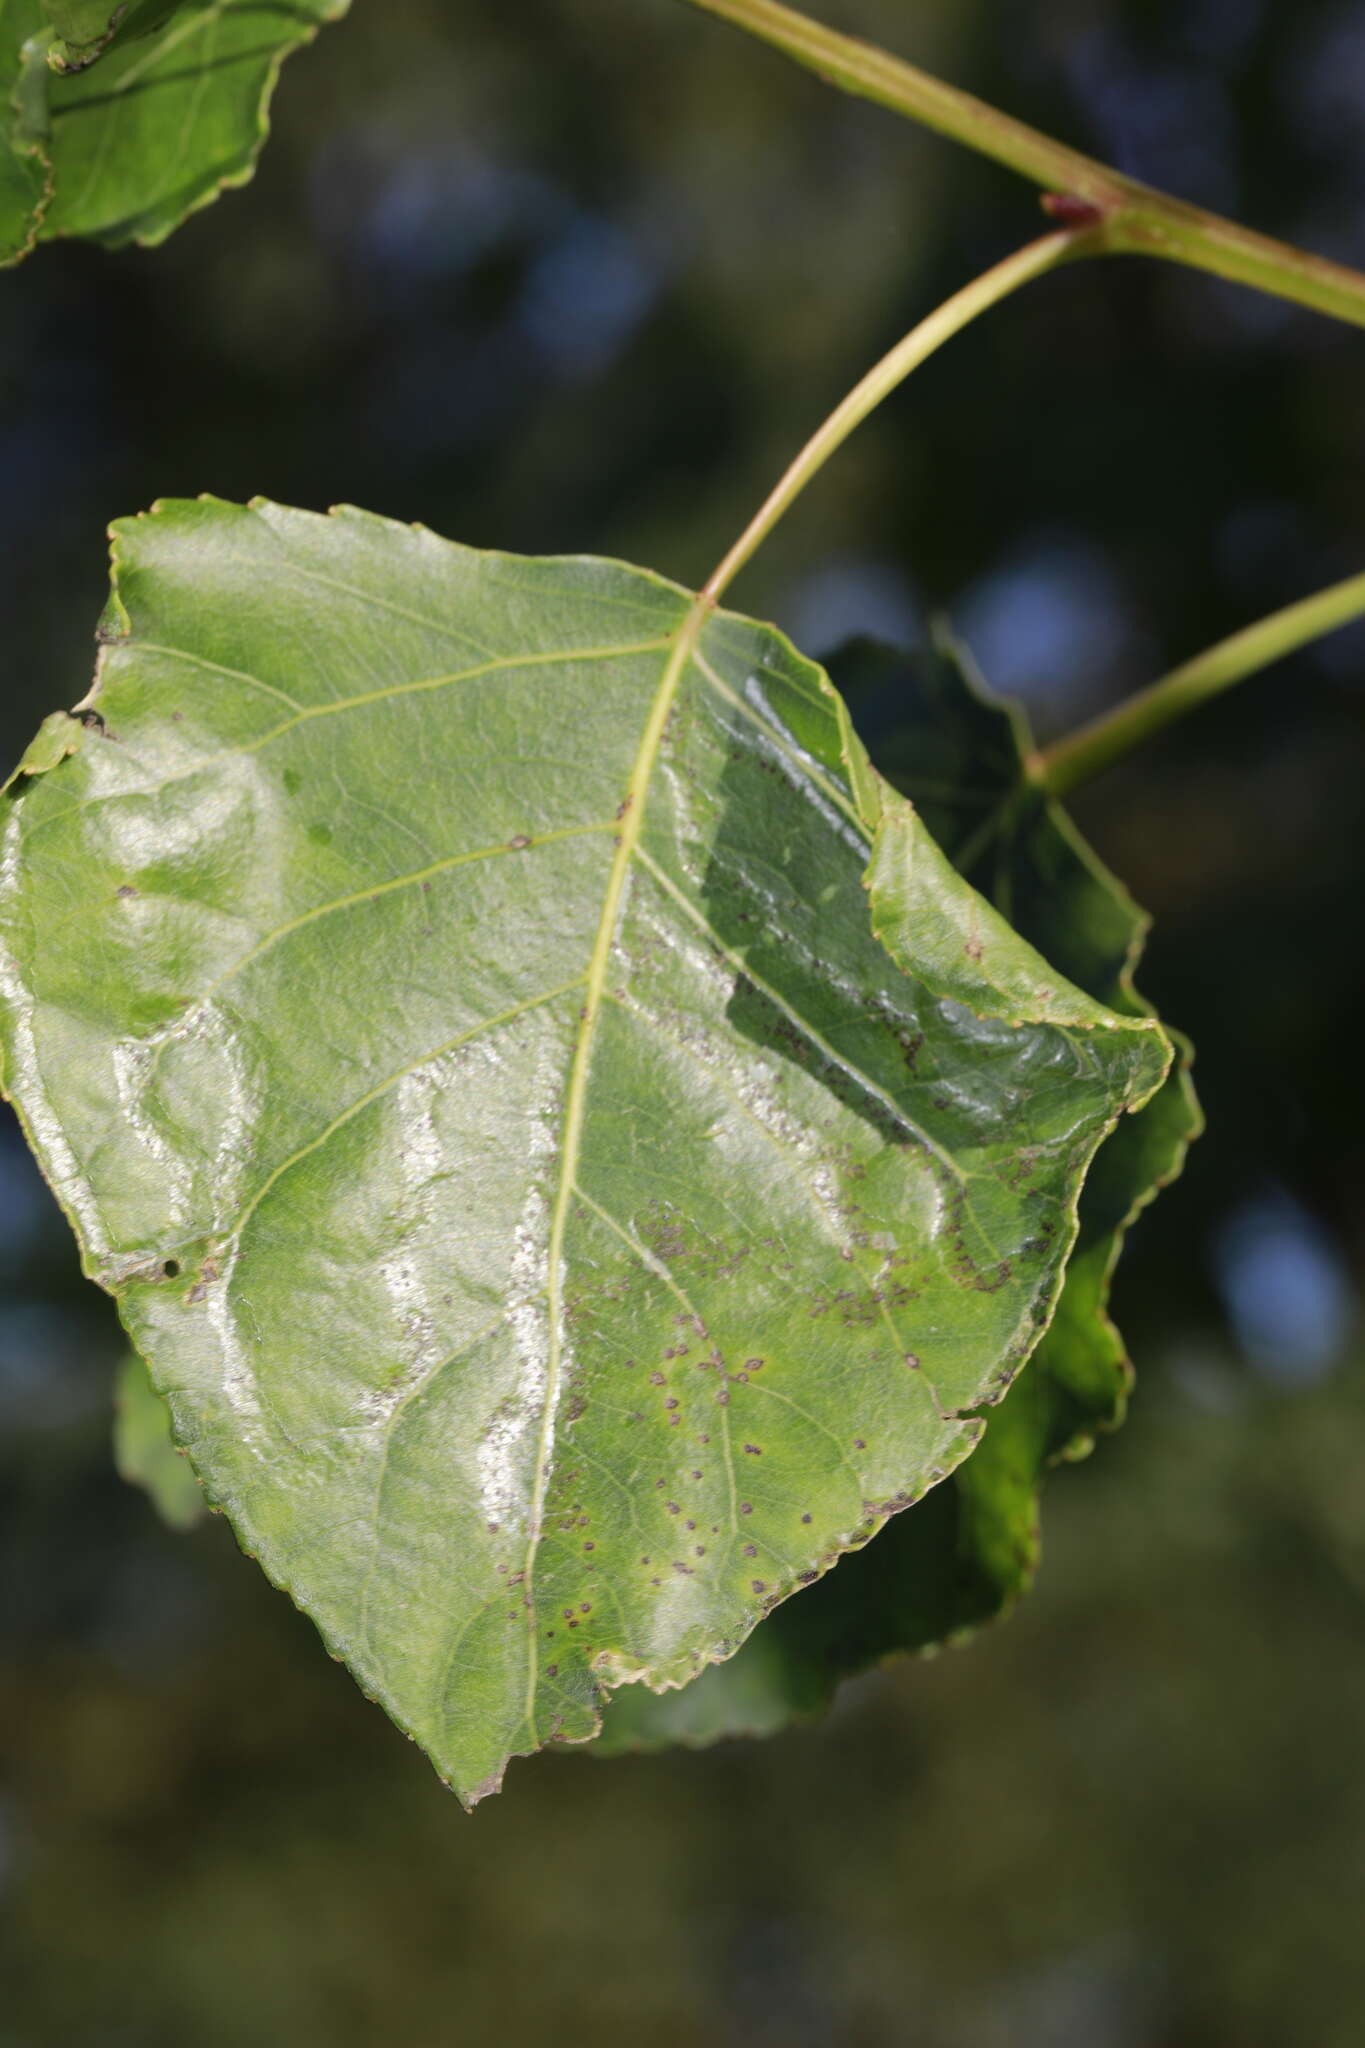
x=534 y=1352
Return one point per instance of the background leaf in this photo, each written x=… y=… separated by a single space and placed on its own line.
x=145 y=1451
x=175 y=110
x=24 y=173
x=445 y=999
x=971 y=1547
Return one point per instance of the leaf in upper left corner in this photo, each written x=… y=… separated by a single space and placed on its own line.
x=23 y=122
x=176 y=109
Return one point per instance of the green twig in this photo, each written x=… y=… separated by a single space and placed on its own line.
x=1136 y=218
x=1107 y=739
x=942 y=324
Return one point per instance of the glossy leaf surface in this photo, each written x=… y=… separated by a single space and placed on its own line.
x=568 y=1145
x=971 y=1547
x=123 y=148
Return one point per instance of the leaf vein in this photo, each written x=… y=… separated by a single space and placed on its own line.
x=784 y=746
x=816 y=1038
x=681 y=646
x=496 y=665
x=234 y=1230
x=375 y=890
x=374 y=1521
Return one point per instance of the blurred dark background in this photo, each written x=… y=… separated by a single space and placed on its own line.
x=580 y=274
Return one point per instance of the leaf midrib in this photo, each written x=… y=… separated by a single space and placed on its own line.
x=683 y=644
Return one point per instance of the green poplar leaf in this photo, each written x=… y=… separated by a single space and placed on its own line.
x=168 y=118
x=24 y=173
x=176 y=109
x=971 y=1547
x=144 y=1449
x=571 y=1150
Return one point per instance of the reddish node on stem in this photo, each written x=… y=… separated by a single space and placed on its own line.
x=1071 y=209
